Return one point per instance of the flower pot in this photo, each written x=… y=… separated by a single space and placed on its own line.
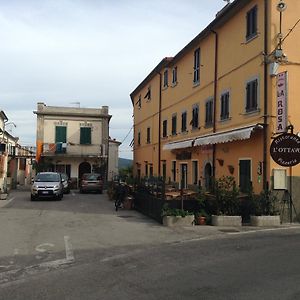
x=265 y=221
x=226 y=220
x=171 y=221
x=201 y=220
x=3 y=196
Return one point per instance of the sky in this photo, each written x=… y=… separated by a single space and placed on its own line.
x=95 y=52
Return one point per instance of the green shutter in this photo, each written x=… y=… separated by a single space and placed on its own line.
x=85 y=135
x=60 y=134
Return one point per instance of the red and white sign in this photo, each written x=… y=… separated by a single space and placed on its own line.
x=281 y=103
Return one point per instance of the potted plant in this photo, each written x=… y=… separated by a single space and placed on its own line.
x=265 y=207
x=201 y=217
x=227 y=203
x=176 y=216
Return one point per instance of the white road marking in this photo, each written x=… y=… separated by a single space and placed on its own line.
x=43 y=247
x=262 y=230
x=69 y=249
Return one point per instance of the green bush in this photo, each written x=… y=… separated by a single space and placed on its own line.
x=168 y=211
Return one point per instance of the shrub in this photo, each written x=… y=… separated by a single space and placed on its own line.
x=168 y=211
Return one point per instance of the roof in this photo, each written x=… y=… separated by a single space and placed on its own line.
x=222 y=17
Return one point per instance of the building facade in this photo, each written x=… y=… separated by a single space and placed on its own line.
x=211 y=109
x=73 y=140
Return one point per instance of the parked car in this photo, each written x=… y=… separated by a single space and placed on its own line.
x=47 y=185
x=66 y=183
x=91 y=182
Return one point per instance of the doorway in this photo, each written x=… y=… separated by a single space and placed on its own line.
x=207 y=176
x=245 y=175
x=183 y=175
x=84 y=167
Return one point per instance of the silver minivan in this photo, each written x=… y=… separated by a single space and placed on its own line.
x=47 y=185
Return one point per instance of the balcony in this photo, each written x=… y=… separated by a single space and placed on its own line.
x=71 y=150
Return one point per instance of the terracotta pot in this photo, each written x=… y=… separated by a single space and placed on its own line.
x=201 y=220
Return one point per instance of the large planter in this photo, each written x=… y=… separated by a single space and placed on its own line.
x=3 y=196
x=226 y=220
x=171 y=221
x=265 y=221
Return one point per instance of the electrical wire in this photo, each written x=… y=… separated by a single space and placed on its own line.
x=127 y=134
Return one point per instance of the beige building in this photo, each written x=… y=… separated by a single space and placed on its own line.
x=73 y=140
x=113 y=159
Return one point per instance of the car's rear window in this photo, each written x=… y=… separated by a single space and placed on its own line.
x=91 y=177
x=47 y=178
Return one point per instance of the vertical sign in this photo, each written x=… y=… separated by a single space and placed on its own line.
x=281 y=103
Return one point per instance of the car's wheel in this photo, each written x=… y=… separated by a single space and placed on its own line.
x=100 y=192
x=32 y=198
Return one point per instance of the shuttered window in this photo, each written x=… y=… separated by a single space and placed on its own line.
x=60 y=134
x=85 y=136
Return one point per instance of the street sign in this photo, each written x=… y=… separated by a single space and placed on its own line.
x=285 y=149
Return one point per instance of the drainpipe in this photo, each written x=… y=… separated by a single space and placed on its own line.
x=159 y=125
x=265 y=129
x=215 y=99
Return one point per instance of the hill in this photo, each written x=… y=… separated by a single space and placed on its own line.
x=124 y=163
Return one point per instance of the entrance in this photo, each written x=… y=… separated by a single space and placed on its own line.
x=207 y=176
x=183 y=175
x=245 y=175
x=84 y=167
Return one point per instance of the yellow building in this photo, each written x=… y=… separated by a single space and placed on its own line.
x=211 y=109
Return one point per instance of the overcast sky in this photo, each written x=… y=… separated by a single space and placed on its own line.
x=95 y=52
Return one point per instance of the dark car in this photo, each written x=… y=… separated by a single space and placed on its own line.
x=47 y=185
x=66 y=183
x=91 y=182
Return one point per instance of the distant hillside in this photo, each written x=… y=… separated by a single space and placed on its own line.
x=124 y=163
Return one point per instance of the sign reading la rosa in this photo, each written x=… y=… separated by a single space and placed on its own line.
x=285 y=149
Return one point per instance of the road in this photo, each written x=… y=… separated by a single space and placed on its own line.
x=80 y=248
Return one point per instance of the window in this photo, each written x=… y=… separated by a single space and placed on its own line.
x=85 y=135
x=60 y=134
x=139 y=102
x=224 y=106
x=174 y=75
x=139 y=138
x=195 y=171
x=165 y=78
x=146 y=168
x=60 y=139
x=148 y=94
x=174 y=170
x=165 y=128
x=251 y=95
x=209 y=113
x=195 y=116
x=197 y=66
x=251 y=23
x=174 y=124
x=151 y=170
x=183 y=122
x=148 y=135
x=164 y=170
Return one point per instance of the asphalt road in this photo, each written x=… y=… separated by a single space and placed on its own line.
x=80 y=248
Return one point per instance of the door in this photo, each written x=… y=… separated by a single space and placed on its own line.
x=245 y=175
x=207 y=176
x=183 y=175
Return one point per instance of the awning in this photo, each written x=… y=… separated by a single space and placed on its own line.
x=241 y=133
x=178 y=145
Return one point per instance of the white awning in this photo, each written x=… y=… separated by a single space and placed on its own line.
x=178 y=145
x=241 y=133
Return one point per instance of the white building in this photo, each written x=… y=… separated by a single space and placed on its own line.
x=73 y=140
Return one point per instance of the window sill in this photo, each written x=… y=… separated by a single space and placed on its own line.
x=208 y=125
x=196 y=84
x=174 y=84
x=251 y=112
x=195 y=129
x=251 y=37
x=225 y=120
x=184 y=132
x=164 y=88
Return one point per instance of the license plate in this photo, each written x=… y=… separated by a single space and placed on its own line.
x=44 y=192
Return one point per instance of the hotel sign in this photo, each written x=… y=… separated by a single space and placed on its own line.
x=285 y=150
x=281 y=103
